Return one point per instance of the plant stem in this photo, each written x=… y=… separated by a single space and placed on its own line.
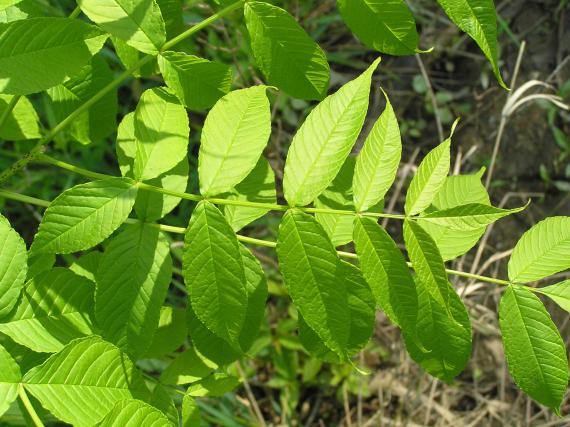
x=76 y=12
x=29 y=407
x=245 y=239
x=39 y=148
x=9 y=109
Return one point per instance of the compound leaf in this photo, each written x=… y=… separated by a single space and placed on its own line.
x=39 y=53
x=82 y=383
x=10 y=377
x=132 y=280
x=85 y=215
x=285 y=54
x=13 y=266
x=559 y=293
x=138 y=22
x=235 y=133
x=55 y=308
x=134 y=413
x=322 y=144
x=535 y=351
x=387 y=26
x=541 y=251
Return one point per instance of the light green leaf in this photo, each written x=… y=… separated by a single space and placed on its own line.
x=427 y=262
x=541 y=251
x=472 y=216
x=161 y=132
x=235 y=133
x=85 y=215
x=285 y=54
x=477 y=18
x=171 y=332
x=38 y=263
x=24 y=9
x=216 y=348
x=190 y=412
x=535 y=351
x=22 y=123
x=55 y=308
x=38 y=53
x=444 y=333
x=132 y=280
x=98 y=121
x=134 y=413
x=214 y=385
x=559 y=293
x=456 y=191
x=197 y=82
x=87 y=264
x=308 y=262
x=82 y=383
x=137 y=22
x=13 y=266
x=387 y=273
x=258 y=187
x=429 y=178
x=387 y=26
x=214 y=273
x=10 y=377
x=325 y=139
x=4 y=4
x=129 y=56
x=188 y=367
x=377 y=163
x=360 y=301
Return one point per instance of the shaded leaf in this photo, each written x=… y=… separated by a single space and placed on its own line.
x=13 y=266
x=22 y=123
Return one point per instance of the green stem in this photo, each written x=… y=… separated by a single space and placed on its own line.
x=29 y=407
x=245 y=239
x=9 y=109
x=76 y=12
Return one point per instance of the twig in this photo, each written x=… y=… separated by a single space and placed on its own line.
x=431 y=94
x=29 y=407
x=250 y=396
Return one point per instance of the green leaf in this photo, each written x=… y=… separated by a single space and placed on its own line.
x=472 y=216
x=190 y=412
x=285 y=54
x=444 y=333
x=214 y=273
x=541 y=251
x=129 y=57
x=55 y=308
x=171 y=332
x=218 y=349
x=197 y=82
x=387 y=26
x=85 y=215
x=188 y=367
x=322 y=144
x=377 y=162
x=235 y=133
x=559 y=293
x=24 y=9
x=429 y=178
x=535 y=351
x=387 y=273
x=132 y=281
x=10 y=377
x=138 y=22
x=258 y=187
x=427 y=262
x=477 y=18
x=161 y=399
x=161 y=132
x=22 y=123
x=38 y=53
x=82 y=383
x=214 y=385
x=361 y=320
x=13 y=266
x=456 y=191
x=38 y=263
x=87 y=264
x=134 y=413
x=308 y=263
x=98 y=121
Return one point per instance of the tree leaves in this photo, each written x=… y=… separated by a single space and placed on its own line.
x=325 y=139
x=541 y=251
x=285 y=54
x=38 y=53
x=85 y=215
x=559 y=293
x=83 y=382
x=13 y=266
x=535 y=352
x=478 y=19
x=55 y=308
x=138 y=22
x=22 y=123
x=132 y=281
x=387 y=26
x=235 y=133
x=197 y=82
x=10 y=377
x=134 y=413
